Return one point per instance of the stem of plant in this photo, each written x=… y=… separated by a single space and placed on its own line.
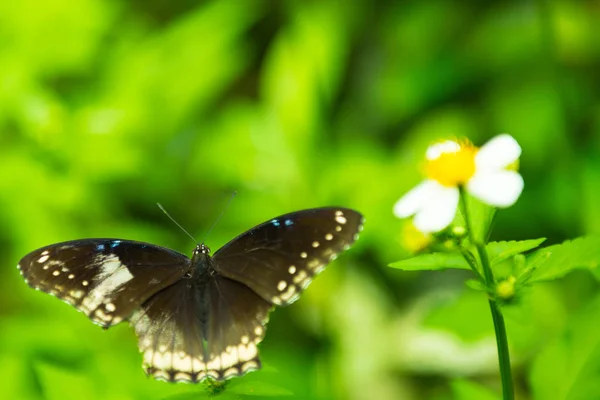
x=499 y=326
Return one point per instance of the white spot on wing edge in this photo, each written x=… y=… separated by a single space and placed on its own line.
x=250 y=366
x=341 y=219
x=300 y=277
x=231 y=372
x=76 y=294
x=289 y=294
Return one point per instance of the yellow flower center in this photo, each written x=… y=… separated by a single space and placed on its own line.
x=413 y=239
x=453 y=167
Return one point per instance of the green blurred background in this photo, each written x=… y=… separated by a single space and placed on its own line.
x=107 y=107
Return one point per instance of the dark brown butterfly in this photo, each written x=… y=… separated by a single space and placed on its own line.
x=200 y=317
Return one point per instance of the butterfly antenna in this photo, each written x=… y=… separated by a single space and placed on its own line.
x=220 y=215
x=175 y=222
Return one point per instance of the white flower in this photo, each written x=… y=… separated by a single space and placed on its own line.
x=485 y=173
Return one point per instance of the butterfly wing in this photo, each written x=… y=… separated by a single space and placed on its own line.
x=107 y=279
x=171 y=331
x=279 y=258
x=173 y=325
x=195 y=326
x=236 y=324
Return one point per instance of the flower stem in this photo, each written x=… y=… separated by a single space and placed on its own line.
x=503 y=355
x=499 y=326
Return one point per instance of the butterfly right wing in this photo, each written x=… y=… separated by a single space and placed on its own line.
x=107 y=279
x=278 y=259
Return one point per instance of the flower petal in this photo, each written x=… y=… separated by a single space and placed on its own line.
x=437 y=149
x=496 y=188
x=438 y=210
x=412 y=201
x=498 y=153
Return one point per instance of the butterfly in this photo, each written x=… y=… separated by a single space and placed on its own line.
x=199 y=317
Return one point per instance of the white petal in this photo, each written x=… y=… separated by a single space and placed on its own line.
x=496 y=188
x=498 y=153
x=412 y=201
x=436 y=150
x=438 y=211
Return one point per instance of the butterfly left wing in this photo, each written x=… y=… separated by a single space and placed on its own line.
x=196 y=329
x=171 y=332
x=107 y=279
x=279 y=258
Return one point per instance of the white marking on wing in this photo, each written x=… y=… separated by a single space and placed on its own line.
x=112 y=276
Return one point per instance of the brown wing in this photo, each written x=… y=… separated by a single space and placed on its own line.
x=107 y=279
x=279 y=258
x=169 y=327
x=174 y=325
x=237 y=321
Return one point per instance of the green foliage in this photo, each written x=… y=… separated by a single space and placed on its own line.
x=58 y=383
x=466 y=317
x=109 y=107
x=257 y=388
x=466 y=390
x=568 y=367
x=433 y=261
x=556 y=261
x=497 y=251
x=500 y=251
x=481 y=216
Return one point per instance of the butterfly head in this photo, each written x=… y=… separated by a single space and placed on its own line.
x=202 y=249
x=201 y=259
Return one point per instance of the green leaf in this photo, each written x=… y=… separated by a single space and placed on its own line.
x=556 y=261
x=568 y=368
x=233 y=389
x=476 y=285
x=198 y=395
x=258 y=388
x=500 y=251
x=466 y=316
x=55 y=381
x=468 y=390
x=434 y=261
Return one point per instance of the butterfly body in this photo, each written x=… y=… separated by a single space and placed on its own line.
x=202 y=316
